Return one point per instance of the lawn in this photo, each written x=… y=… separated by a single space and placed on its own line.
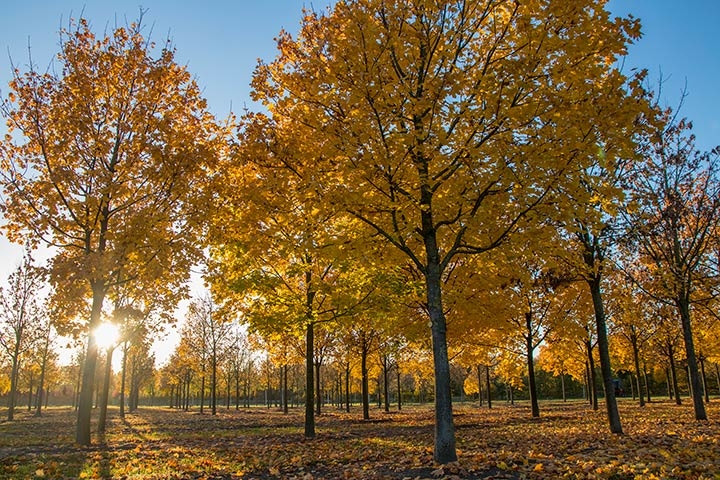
x=569 y=440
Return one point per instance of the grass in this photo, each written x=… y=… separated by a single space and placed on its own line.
x=569 y=440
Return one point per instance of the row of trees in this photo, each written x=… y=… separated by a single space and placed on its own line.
x=483 y=169
x=247 y=373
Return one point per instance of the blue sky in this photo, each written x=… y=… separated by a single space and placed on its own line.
x=220 y=41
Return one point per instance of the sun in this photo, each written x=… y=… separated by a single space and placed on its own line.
x=106 y=335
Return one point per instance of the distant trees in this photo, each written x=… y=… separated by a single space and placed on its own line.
x=674 y=215
x=22 y=322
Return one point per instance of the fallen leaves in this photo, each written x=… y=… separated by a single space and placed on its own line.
x=569 y=440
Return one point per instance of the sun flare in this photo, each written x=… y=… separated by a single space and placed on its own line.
x=106 y=335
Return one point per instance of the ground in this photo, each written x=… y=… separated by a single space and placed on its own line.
x=569 y=440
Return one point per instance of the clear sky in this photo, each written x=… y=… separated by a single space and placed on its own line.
x=220 y=42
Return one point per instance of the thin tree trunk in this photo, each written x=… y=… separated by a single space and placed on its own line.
x=603 y=348
x=309 y=382
x=386 y=388
x=487 y=384
x=695 y=390
x=592 y=380
x=704 y=379
x=562 y=385
x=364 y=348
x=399 y=387
x=318 y=389
x=673 y=377
x=123 y=376
x=347 y=387
x=532 y=386
x=105 y=393
x=647 y=383
x=213 y=382
x=43 y=369
x=286 y=391
x=14 y=374
x=30 y=389
x=636 y=361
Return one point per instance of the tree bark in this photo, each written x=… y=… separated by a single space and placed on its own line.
x=347 y=387
x=636 y=361
x=704 y=379
x=105 y=394
x=386 y=388
x=683 y=304
x=604 y=350
x=309 y=382
x=14 y=374
x=364 y=350
x=82 y=434
x=43 y=370
x=592 y=380
x=532 y=386
x=399 y=387
x=318 y=389
x=487 y=385
x=286 y=391
x=673 y=376
x=123 y=376
x=213 y=381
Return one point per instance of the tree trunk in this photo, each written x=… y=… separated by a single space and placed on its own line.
x=285 y=388
x=30 y=389
x=647 y=384
x=105 y=393
x=444 y=428
x=202 y=390
x=364 y=350
x=43 y=369
x=683 y=304
x=399 y=387
x=487 y=386
x=309 y=382
x=532 y=386
x=704 y=379
x=562 y=385
x=82 y=434
x=318 y=389
x=237 y=388
x=603 y=348
x=592 y=380
x=636 y=361
x=14 y=374
x=673 y=377
x=386 y=388
x=347 y=387
x=123 y=376
x=213 y=382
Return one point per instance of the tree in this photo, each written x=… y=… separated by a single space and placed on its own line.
x=675 y=214
x=447 y=123
x=112 y=145
x=20 y=317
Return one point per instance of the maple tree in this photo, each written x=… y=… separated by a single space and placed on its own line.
x=442 y=126
x=103 y=161
x=20 y=319
x=674 y=215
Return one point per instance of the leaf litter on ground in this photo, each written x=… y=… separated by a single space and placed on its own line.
x=569 y=440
